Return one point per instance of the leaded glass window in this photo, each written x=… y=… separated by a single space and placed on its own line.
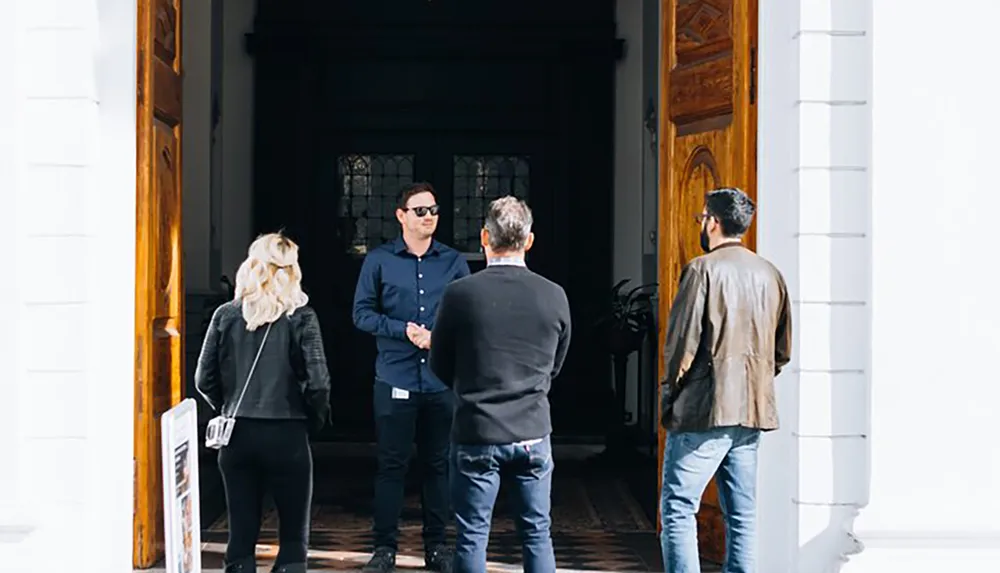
x=479 y=179
x=369 y=187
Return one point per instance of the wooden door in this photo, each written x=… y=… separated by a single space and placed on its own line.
x=709 y=139
x=159 y=288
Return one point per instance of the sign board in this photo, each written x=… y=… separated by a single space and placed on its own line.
x=181 y=504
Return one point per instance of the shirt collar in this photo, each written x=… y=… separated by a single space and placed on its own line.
x=399 y=247
x=506 y=262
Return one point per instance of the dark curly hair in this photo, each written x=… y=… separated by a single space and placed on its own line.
x=733 y=209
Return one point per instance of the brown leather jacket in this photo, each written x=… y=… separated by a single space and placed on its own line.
x=729 y=334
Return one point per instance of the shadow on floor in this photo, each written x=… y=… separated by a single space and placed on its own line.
x=599 y=523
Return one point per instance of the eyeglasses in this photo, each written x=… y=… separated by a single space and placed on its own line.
x=422 y=210
x=700 y=218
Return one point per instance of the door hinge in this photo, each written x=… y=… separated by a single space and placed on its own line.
x=140 y=387
x=140 y=75
x=753 y=75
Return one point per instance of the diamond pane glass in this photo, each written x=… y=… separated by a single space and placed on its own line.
x=479 y=179
x=369 y=185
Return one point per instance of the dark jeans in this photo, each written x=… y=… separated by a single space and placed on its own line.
x=475 y=483
x=426 y=419
x=268 y=456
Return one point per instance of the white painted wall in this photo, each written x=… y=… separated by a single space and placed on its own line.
x=218 y=220
x=935 y=462
x=69 y=193
x=237 y=136
x=629 y=144
x=196 y=164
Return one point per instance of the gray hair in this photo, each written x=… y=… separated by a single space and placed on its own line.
x=508 y=223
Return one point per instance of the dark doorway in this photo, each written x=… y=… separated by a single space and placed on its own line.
x=482 y=99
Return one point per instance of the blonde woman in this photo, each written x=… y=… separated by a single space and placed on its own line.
x=263 y=364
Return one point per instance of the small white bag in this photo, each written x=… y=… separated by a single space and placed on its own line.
x=220 y=428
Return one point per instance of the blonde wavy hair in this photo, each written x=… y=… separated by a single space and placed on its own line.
x=269 y=282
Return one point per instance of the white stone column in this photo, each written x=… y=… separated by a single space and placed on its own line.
x=70 y=242
x=777 y=225
x=110 y=335
x=834 y=302
x=814 y=186
x=55 y=134
x=935 y=460
x=15 y=523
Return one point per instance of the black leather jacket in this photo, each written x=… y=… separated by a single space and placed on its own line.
x=291 y=380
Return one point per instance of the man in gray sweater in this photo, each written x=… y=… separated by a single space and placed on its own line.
x=500 y=337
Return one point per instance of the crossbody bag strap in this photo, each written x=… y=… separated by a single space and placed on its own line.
x=252 y=368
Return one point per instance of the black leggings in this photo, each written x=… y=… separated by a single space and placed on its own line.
x=268 y=456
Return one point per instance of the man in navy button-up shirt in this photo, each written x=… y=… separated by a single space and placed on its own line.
x=397 y=294
x=396 y=300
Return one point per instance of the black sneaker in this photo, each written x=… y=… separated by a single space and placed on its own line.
x=383 y=561
x=438 y=559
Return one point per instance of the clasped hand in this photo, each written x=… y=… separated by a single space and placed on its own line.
x=418 y=335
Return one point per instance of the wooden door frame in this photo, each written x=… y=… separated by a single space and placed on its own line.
x=159 y=303
x=745 y=120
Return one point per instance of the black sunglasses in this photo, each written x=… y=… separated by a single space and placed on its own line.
x=422 y=210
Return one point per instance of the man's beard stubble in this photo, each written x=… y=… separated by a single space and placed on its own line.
x=704 y=240
x=424 y=232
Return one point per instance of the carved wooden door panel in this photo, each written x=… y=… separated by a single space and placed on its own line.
x=159 y=286
x=708 y=128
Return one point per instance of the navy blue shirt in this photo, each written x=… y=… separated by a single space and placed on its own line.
x=396 y=287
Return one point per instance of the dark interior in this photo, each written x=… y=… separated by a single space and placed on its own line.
x=482 y=99
x=485 y=98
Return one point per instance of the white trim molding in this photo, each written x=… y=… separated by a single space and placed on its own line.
x=13 y=527
x=814 y=187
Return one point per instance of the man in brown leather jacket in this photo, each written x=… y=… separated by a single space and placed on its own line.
x=728 y=336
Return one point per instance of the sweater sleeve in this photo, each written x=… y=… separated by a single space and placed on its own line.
x=565 y=333
x=442 y=356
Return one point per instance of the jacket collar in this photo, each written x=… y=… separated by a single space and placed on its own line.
x=726 y=245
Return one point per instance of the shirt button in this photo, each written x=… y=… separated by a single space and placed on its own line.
x=423 y=360
x=421 y=309
x=421 y=291
x=420 y=275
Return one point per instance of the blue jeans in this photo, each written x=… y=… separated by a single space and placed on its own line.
x=475 y=482
x=690 y=459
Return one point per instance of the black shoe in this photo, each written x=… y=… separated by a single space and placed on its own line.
x=289 y=568
x=245 y=565
x=383 y=561
x=438 y=559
